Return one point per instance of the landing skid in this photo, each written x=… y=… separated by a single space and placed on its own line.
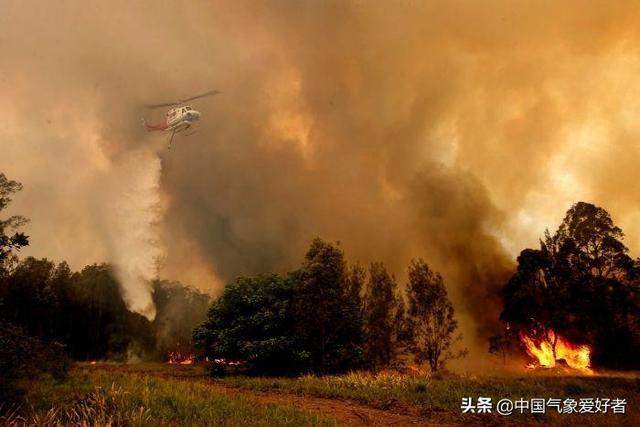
x=171 y=139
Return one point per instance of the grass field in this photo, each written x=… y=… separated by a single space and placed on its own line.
x=154 y=394
x=98 y=396
x=427 y=397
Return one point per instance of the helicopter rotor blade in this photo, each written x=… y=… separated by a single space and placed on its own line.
x=167 y=104
x=182 y=101
x=202 y=95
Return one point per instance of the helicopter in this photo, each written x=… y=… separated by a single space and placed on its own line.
x=178 y=118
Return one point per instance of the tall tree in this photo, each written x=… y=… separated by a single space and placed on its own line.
x=588 y=242
x=322 y=300
x=353 y=324
x=179 y=310
x=431 y=316
x=401 y=328
x=380 y=317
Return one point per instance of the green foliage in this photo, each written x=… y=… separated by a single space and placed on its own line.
x=317 y=320
x=327 y=315
x=252 y=322
x=382 y=315
x=309 y=321
x=431 y=317
x=353 y=313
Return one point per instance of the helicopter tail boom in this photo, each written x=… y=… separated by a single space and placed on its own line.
x=151 y=127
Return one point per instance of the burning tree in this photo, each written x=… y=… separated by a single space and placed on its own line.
x=577 y=296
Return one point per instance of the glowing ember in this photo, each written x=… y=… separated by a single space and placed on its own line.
x=177 y=358
x=553 y=349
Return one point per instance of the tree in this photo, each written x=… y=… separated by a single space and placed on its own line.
x=252 y=322
x=431 y=316
x=381 y=317
x=179 y=310
x=81 y=312
x=26 y=357
x=401 y=329
x=21 y=355
x=29 y=299
x=11 y=240
x=322 y=300
x=581 y=284
x=588 y=242
x=353 y=325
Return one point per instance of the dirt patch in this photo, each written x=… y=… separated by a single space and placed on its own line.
x=344 y=411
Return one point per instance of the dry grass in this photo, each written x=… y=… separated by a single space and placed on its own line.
x=428 y=396
x=155 y=394
x=95 y=397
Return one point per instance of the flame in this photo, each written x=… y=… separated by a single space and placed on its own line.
x=177 y=358
x=575 y=356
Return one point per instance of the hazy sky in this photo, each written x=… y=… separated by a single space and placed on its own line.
x=453 y=130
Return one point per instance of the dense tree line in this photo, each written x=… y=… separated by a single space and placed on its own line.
x=582 y=284
x=85 y=312
x=21 y=355
x=324 y=317
x=328 y=317
x=82 y=313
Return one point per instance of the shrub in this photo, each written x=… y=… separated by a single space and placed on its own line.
x=23 y=356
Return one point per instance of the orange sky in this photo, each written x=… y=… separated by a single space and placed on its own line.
x=454 y=130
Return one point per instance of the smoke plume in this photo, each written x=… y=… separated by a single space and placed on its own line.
x=454 y=131
x=130 y=224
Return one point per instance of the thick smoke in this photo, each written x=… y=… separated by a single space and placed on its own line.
x=130 y=220
x=455 y=131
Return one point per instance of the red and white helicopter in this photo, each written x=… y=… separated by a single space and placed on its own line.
x=178 y=118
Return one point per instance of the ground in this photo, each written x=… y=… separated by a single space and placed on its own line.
x=157 y=394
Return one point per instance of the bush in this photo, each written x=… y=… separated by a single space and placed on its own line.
x=251 y=326
x=25 y=357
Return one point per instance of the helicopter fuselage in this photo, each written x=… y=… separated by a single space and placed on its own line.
x=181 y=118
x=177 y=119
